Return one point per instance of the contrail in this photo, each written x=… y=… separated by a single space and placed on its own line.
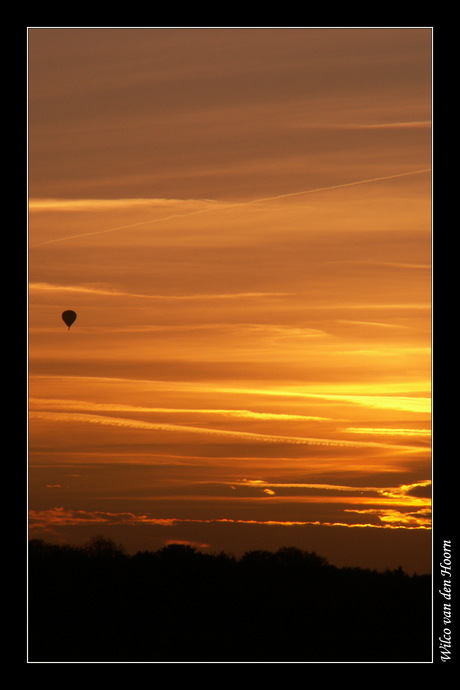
x=338 y=186
x=234 y=205
x=105 y=420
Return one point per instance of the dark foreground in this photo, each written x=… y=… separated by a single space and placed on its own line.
x=95 y=603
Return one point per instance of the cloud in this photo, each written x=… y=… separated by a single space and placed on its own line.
x=420 y=519
x=224 y=207
x=184 y=542
x=244 y=435
x=390 y=398
x=416 y=494
x=58 y=205
x=47 y=287
x=418 y=489
x=60 y=516
x=389 y=431
x=53 y=403
x=46 y=520
x=208 y=206
x=113 y=292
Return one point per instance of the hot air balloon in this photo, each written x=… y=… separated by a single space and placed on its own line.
x=69 y=317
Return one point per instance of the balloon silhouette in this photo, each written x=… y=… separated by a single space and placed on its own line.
x=69 y=317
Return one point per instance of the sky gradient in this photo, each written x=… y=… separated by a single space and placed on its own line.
x=241 y=219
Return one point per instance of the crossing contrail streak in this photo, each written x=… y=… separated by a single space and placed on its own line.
x=337 y=186
x=233 y=205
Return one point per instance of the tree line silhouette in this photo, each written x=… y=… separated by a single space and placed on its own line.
x=96 y=603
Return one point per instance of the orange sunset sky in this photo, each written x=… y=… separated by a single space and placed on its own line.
x=241 y=219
